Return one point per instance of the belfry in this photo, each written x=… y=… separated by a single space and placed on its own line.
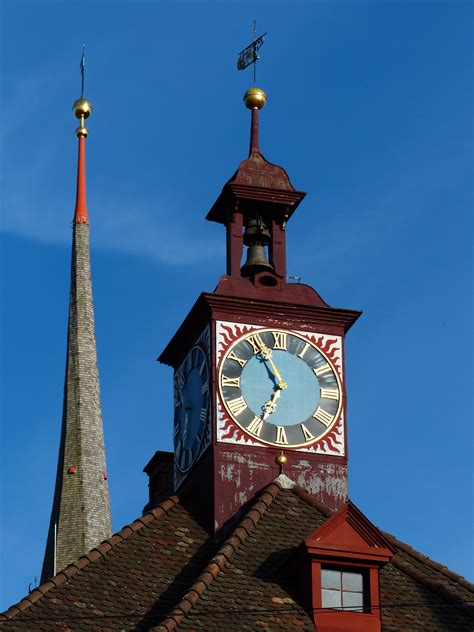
x=80 y=518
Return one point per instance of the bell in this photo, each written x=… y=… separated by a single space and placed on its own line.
x=256 y=260
x=256 y=231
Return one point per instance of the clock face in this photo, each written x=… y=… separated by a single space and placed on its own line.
x=191 y=400
x=280 y=388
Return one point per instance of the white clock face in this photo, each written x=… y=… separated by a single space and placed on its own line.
x=191 y=389
x=280 y=388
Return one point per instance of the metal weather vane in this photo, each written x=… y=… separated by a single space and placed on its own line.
x=250 y=54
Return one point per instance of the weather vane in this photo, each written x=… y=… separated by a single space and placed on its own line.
x=83 y=63
x=250 y=54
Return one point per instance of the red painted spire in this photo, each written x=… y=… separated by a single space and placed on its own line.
x=82 y=110
x=254 y=99
x=80 y=214
x=254 y=144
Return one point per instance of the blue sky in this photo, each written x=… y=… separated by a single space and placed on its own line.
x=369 y=110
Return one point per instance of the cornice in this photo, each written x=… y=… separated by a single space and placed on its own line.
x=243 y=309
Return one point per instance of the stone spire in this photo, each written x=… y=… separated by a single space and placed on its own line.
x=80 y=517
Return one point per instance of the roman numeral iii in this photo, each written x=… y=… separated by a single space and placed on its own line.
x=323 y=416
x=327 y=393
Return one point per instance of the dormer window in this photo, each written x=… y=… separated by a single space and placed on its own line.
x=345 y=555
x=344 y=589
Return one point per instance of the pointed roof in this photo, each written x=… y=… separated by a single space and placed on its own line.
x=80 y=517
x=256 y=180
x=348 y=533
x=166 y=572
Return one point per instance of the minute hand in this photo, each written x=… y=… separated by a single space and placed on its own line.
x=267 y=354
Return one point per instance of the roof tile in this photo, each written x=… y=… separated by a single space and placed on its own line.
x=165 y=572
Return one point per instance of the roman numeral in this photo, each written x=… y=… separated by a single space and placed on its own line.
x=323 y=416
x=256 y=343
x=280 y=339
x=179 y=379
x=237 y=405
x=230 y=381
x=204 y=388
x=307 y=434
x=329 y=394
x=203 y=414
x=203 y=366
x=281 y=435
x=303 y=350
x=255 y=426
x=232 y=356
x=322 y=369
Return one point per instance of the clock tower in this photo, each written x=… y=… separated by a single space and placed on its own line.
x=259 y=384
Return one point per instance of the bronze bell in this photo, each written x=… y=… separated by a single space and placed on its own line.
x=256 y=231
x=256 y=237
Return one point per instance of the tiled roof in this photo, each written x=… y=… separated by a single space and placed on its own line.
x=165 y=572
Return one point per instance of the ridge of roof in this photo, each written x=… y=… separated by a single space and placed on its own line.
x=231 y=545
x=424 y=559
x=96 y=553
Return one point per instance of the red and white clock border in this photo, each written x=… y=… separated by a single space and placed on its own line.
x=331 y=442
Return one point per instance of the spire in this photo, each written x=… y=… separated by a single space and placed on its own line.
x=80 y=517
x=254 y=99
x=82 y=109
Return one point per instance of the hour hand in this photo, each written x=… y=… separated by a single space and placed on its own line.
x=269 y=407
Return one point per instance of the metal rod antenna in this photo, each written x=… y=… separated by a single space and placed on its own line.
x=83 y=63
x=255 y=53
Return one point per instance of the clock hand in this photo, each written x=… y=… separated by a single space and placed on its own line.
x=267 y=355
x=185 y=425
x=270 y=406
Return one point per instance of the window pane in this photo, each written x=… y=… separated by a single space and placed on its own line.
x=352 y=601
x=352 y=581
x=331 y=579
x=331 y=598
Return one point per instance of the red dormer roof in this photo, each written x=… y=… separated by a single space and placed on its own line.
x=348 y=534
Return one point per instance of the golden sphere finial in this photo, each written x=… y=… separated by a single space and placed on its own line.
x=281 y=459
x=82 y=108
x=255 y=98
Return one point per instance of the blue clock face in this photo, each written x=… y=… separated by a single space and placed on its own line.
x=280 y=388
x=191 y=400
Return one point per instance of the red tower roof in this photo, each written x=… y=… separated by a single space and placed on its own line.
x=80 y=213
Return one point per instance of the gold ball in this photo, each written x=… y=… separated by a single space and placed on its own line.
x=82 y=108
x=255 y=98
x=281 y=459
x=81 y=131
